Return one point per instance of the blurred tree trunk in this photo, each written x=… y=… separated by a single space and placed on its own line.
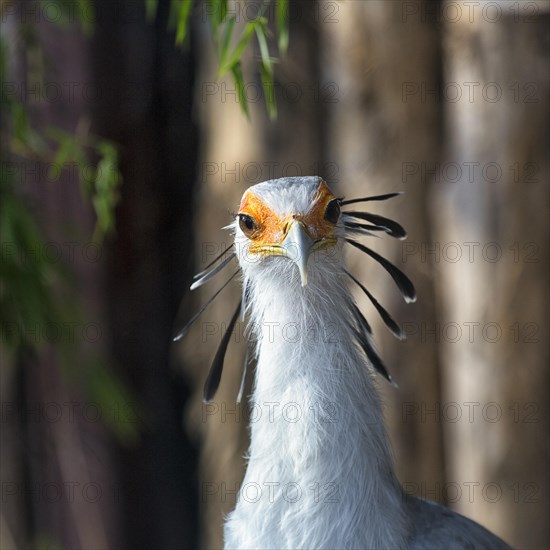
x=494 y=197
x=379 y=132
x=146 y=105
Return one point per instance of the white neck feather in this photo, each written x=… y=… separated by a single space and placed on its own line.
x=320 y=471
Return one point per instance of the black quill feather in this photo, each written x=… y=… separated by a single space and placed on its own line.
x=394 y=229
x=401 y=280
x=386 y=317
x=373 y=198
x=183 y=330
x=208 y=275
x=215 y=373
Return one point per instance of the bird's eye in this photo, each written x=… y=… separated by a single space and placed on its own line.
x=247 y=224
x=332 y=212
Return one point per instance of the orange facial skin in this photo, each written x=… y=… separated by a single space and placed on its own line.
x=272 y=229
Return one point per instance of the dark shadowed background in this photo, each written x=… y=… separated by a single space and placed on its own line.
x=105 y=440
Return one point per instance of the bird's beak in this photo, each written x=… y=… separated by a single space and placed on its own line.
x=297 y=247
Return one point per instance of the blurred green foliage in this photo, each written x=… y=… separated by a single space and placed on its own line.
x=36 y=292
x=230 y=45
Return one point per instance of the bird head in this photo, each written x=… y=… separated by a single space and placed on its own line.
x=288 y=226
x=288 y=230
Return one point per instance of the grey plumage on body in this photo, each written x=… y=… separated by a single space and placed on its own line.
x=434 y=527
x=332 y=451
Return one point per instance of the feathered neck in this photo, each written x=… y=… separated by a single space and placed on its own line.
x=320 y=471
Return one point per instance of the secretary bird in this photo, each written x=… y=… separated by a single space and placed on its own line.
x=319 y=464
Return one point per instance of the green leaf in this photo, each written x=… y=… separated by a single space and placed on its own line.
x=260 y=29
x=243 y=42
x=183 y=20
x=217 y=11
x=269 y=90
x=281 y=16
x=266 y=71
x=222 y=9
x=224 y=48
x=105 y=195
x=237 y=73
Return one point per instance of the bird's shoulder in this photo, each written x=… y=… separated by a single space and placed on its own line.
x=435 y=526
